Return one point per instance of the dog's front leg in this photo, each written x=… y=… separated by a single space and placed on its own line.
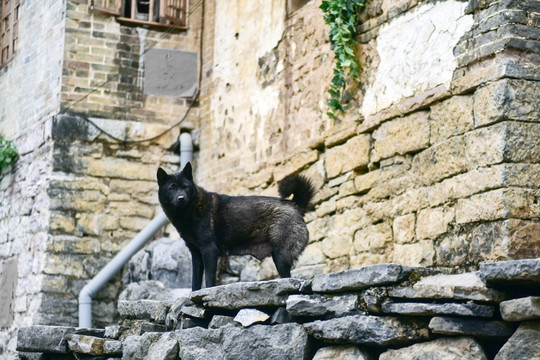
x=197 y=268
x=210 y=254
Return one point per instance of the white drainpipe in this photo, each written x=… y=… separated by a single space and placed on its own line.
x=116 y=264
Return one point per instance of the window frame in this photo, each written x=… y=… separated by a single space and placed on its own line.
x=9 y=30
x=167 y=8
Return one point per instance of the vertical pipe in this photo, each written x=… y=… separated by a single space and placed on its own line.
x=92 y=287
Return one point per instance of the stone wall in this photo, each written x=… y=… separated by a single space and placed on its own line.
x=383 y=311
x=30 y=88
x=433 y=162
x=75 y=196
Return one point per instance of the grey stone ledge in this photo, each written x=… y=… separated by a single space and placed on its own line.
x=49 y=339
x=319 y=305
x=249 y=294
x=361 y=278
x=425 y=309
x=370 y=330
x=513 y=272
x=467 y=286
x=470 y=327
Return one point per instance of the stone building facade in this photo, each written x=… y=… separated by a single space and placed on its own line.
x=435 y=162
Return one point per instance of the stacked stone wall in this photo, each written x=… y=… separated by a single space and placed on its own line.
x=29 y=97
x=75 y=196
x=435 y=160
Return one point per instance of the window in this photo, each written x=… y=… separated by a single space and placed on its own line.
x=145 y=12
x=9 y=20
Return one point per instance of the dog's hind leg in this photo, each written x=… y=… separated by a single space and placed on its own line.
x=283 y=265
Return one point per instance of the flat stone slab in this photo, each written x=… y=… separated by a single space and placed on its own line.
x=424 y=309
x=319 y=305
x=523 y=344
x=95 y=346
x=470 y=327
x=468 y=286
x=286 y=341
x=361 y=278
x=248 y=294
x=49 y=339
x=514 y=272
x=42 y=338
x=527 y=308
x=442 y=349
x=368 y=330
x=154 y=310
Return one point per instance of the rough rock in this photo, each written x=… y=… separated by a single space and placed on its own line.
x=527 y=308
x=468 y=286
x=319 y=305
x=248 y=294
x=361 y=278
x=346 y=352
x=424 y=309
x=514 y=272
x=193 y=311
x=248 y=317
x=136 y=347
x=280 y=316
x=166 y=260
x=286 y=341
x=173 y=316
x=164 y=348
x=523 y=344
x=470 y=327
x=440 y=349
x=369 y=330
x=151 y=290
x=220 y=321
x=144 y=309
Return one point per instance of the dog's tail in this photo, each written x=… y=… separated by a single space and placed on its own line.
x=302 y=189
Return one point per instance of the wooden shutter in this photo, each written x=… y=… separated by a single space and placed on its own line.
x=176 y=12
x=111 y=7
x=9 y=25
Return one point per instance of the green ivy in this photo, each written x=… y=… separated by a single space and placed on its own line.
x=342 y=17
x=8 y=153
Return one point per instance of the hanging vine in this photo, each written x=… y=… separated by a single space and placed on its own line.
x=8 y=153
x=342 y=17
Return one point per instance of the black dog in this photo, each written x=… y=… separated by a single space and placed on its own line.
x=214 y=224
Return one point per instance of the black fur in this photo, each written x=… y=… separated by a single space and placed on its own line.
x=215 y=224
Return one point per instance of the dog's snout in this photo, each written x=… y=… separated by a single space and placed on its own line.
x=180 y=197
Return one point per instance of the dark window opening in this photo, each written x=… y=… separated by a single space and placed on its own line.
x=164 y=13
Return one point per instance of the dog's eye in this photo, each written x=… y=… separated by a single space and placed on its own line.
x=172 y=187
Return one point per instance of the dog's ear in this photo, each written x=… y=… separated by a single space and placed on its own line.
x=162 y=177
x=187 y=172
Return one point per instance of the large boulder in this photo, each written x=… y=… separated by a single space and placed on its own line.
x=165 y=260
x=277 y=342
